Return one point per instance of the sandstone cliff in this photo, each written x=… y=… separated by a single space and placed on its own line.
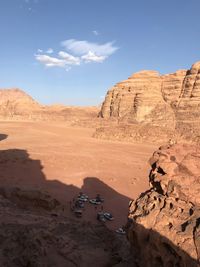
x=164 y=222
x=169 y=101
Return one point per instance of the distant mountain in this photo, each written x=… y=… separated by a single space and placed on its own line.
x=15 y=104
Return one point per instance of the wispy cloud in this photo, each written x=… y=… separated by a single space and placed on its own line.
x=50 y=61
x=91 y=57
x=76 y=53
x=71 y=60
x=84 y=47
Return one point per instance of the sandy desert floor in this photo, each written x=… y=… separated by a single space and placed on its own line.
x=66 y=160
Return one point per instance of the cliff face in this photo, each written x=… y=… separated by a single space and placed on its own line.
x=171 y=100
x=188 y=107
x=164 y=222
x=135 y=98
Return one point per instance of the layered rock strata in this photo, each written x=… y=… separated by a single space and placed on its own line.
x=164 y=222
x=171 y=101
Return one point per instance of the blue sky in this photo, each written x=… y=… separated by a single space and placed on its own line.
x=73 y=51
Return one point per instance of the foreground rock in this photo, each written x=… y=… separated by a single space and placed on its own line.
x=164 y=222
x=35 y=232
x=148 y=100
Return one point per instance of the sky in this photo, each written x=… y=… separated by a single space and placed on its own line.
x=72 y=51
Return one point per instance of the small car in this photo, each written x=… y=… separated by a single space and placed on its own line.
x=108 y=216
x=83 y=198
x=94 y=201
x=120 y=231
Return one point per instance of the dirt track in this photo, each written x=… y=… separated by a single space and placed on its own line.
x=67 y=160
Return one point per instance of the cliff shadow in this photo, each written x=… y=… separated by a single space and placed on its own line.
x=149 y=248
x=17 y=169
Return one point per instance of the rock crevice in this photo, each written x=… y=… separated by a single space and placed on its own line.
x=165 y=226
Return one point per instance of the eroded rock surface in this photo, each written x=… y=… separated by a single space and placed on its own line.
x=164 y=222
x=169 y=101
x=35 y=232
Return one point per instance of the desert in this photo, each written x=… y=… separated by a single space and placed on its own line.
x=68 y=192
x=66 y=160
x=99 y=133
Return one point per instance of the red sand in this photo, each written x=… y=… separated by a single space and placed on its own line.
x=73 y=161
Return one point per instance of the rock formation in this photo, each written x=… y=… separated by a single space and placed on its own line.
x=15 y=104
x=169 y=101
x=164 y=222
x=36 y=232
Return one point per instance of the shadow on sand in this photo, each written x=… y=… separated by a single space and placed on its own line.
x=17 y=169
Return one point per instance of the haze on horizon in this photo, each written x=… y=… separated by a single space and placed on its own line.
x=71 y=52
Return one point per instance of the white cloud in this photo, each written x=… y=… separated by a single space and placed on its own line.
x=50 y=61
x=49 y=51
x=80 y=52
x=84 y=47
x=95 y=32
x=91 y=57
x=69 y=59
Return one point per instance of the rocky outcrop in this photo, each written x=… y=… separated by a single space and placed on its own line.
x=34 y=232
x=15 y=104
x=164 y=222
x=136 y=98
x=188 y=106
x=170 y=101
x=31 y=199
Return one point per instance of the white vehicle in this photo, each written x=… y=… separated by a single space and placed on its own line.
x=94 y=201
x=120 y=231
x=108 y=216
x=83 y=198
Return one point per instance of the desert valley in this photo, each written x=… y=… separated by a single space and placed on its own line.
x=138 y=152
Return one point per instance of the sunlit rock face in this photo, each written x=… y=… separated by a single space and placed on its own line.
x=188 y=107
x=134 y=98
x=164 y=222
x=170 y=100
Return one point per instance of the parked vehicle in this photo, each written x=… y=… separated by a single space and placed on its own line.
x=94 y=201
x=120 y=231
x=108 y=216
x=83 y=198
